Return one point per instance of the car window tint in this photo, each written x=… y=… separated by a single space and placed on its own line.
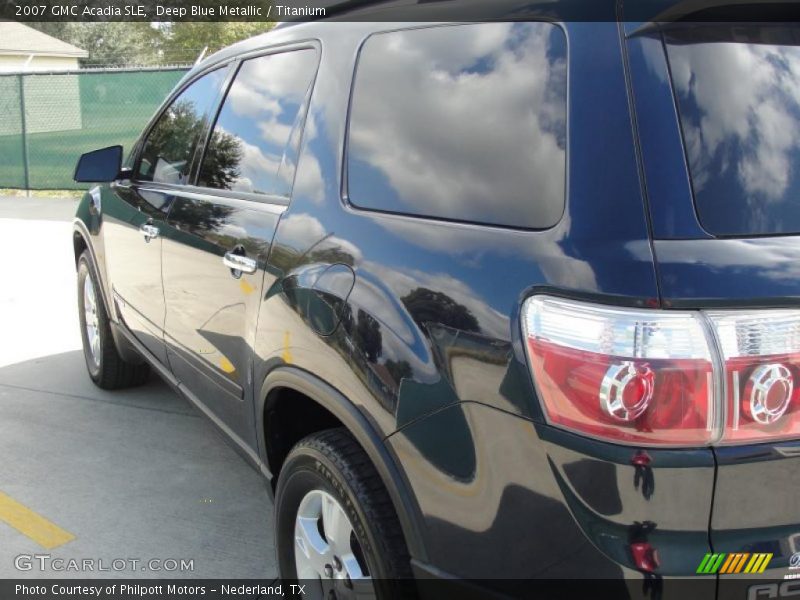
x=737 y=89
x=167 y=153
x=254 y=143
x=463 y=122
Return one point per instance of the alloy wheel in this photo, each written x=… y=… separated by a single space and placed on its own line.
x=91 y=320
x=327 y=553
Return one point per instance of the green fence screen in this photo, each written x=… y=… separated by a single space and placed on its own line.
x=47 y=120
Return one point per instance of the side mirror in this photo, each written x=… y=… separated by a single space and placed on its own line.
x=99 y=166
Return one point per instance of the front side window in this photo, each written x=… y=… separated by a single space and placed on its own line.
x=255 y=138
x=464 y=122
x=167 y=152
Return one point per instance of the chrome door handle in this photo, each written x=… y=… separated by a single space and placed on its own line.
x=240 y=263
x=150 y=232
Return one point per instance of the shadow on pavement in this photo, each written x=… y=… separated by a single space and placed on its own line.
x=135 y=473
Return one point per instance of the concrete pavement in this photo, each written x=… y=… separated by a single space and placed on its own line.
x=136 y=475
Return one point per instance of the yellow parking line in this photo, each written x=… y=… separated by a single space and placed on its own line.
x=287 y=354
x=33 y=525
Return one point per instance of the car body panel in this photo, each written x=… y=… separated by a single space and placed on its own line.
x=211 y=310
x=134 y=261
x=416 y=326
x=560 y=506
x=406 y=359
x=401 y=296
x=755 y=498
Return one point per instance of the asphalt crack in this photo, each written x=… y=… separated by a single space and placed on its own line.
x=100 y=400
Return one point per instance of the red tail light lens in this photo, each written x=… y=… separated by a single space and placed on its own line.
x=625 y=376
x=761 y=350
x=647 y=377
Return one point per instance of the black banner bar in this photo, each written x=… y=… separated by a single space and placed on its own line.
x=392 y=10
x=645 y=588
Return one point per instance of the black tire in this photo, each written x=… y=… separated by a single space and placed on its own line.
x=110 y=371
x=333 y=462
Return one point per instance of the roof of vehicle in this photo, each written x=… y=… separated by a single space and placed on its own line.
x=565 y=10
x=361 y=12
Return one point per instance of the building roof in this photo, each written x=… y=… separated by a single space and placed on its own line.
x=16 y=38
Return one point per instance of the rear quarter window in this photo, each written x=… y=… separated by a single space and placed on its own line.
x=738 y=94
x=464 y=122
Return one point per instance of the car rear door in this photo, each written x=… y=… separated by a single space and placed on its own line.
x=135 y=211
x=718 y=114
x=219 y=231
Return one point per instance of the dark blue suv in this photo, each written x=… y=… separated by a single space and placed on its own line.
x=509 y=299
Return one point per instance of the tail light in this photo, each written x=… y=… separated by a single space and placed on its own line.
x=639 y=377
x=655 y=377
x=761 y=350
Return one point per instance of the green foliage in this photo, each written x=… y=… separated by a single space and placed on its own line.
x=429 y=306
x=109 y=43
x=173 y=136
x=113 y=43
x=193 y=36
x=222 y=160
x=399 y=370
x=368 y=336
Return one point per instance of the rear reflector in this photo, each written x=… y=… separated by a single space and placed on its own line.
x=665 y=378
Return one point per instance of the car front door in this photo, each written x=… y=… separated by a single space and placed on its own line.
x=135 y=211
x=219 y=232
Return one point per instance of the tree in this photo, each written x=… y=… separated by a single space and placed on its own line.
x=399 y=370
x=222 y=159
x=368 y=336
x=188 y=38
x=175 y=134
x=428 y=306
x=109 y=43
x=113 y=43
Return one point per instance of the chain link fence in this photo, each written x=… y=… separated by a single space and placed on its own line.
x=50 y=119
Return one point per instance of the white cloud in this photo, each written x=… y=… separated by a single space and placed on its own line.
x=493 y=323
x=301 y=231
x=748 y=96
x=442 y=147
x=469 y=243
x=308 y=181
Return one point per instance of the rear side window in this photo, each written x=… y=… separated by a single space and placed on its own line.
x=464 y=122
x=738 y=95
x=255 y=140
x=167 y=152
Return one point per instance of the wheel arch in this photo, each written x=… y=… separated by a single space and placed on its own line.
x=82 y=241
x=364 y=432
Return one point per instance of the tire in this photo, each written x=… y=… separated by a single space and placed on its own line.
x=106 y=367
x=332 y=465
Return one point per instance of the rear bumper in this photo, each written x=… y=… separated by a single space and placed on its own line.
x=757 y=510
x=433 y=584
x=513 y=506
